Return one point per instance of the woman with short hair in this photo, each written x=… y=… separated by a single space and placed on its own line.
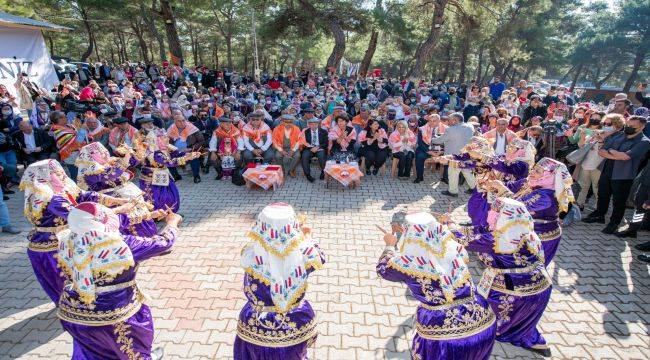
x=402 y=143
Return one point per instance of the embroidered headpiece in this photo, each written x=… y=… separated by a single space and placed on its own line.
x=40 y=182
x=92 y=250
x=562 y=180
x=280 y=255
x=430 y=250
x=514 y=228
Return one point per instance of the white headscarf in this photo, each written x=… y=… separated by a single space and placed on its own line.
x=521 y=150
x=514 y=228
x=40 y=182
x=430 y=250
x=92 y=249
x=280 y=255
x=93 y=159
x=557 y=178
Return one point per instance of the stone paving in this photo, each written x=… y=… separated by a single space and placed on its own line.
x=600 y=307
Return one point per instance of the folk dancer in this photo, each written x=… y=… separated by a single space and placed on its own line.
x=155 y=180
x=276 y=323
x=49 y=195
x=515 y=280
x=452 y=321
x=546 y=192
x=101 y=306
x=100 y=172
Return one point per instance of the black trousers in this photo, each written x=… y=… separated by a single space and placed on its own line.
x=305 y=160
x=618 y=191
x=641 y=217
x=375 y=157
x=404 y=164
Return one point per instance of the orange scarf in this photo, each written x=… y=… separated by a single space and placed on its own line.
x=233 y=134
x=188 y=130
x=358 y=120
x=278 y=136
x=256 y=134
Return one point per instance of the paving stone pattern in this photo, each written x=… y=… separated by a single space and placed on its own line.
x=600 y=307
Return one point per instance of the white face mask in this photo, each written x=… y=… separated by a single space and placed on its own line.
x=608 y=128
x=558 y=118
x=6 y=112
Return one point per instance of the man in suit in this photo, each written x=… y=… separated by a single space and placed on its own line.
x=33 y=144
x=315 y=143
x=206 y=125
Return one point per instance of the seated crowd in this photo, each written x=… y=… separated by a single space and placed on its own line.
x=290 y=119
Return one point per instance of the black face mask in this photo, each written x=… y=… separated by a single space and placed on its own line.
x=628 y=130
x=593 y=122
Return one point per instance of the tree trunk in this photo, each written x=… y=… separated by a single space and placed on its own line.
x=479 y=67
x=139 y=34
x=483 y=78
x=151 y=25
x=229 y=51
x=339 y=45
x=175 y=48
x=89 y=31
x=195 y=54
x=216 y=55
x=575 y=76
x=611 y=72
x=370 y=52
x=96 y=48
x=567 y=74
x=638 y=61
x=529 y=70
x=463 y=59
x=425 y=49
x=447 y=65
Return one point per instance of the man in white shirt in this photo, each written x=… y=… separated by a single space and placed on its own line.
x=257 y=139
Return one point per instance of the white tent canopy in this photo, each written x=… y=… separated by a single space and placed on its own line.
x=23 y=50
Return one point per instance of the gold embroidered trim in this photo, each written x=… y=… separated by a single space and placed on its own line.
x=448 y=305
x=542 y=283
x=46 y=246
x=550 y=235
x=50 y=229
x=524 y=290
x=293 y=243
x=276 y=338
x=123 y=330
x=467 y=276
x=120 y=286
x=523 y=270
x=476 y=319
x=97 y=318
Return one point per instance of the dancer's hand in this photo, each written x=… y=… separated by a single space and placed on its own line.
x=173 y=219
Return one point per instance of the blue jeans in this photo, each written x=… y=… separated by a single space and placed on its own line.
x=4 y=212
x=9 y=162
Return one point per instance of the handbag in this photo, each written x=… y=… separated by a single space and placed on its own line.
x=576 y=156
